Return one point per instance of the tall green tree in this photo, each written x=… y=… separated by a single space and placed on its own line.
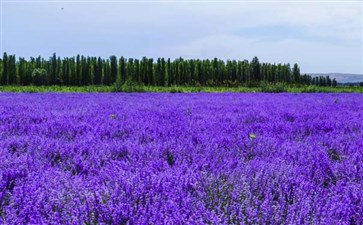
x=5 y=71
x=137 y=71
x=78 y=70
x=106 y=72
x=86 y=79
x=12 y=70
x=169 y=72
x=130 y=74
x=255 y=69
x=296 y=74
x=22 y=70
x=113 y=69
x=150 y=71
x=53 y=70
x=163 y=72
x=98 y=72
x=65 y=73
x=122 y=69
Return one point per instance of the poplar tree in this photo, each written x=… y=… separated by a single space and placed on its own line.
x=122 y=69
x=255 y=69
x=98 y=72
x=22 y=71
x=113 y=69
x=296 y=74
x=106 y=72
x=78 y=70
x=150 y=71
x=4 y=74
x=53 y=71
x=12 y=70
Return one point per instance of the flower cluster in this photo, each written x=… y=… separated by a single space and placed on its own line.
x=181 y=158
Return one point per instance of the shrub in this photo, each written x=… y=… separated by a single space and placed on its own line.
x=274 y=88
x=128 y=86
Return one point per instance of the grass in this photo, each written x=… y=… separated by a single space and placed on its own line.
x=181 y=89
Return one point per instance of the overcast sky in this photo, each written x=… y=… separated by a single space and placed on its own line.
x=325 y=36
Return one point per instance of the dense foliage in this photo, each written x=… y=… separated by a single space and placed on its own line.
x=81 y=71
x=274 y=88
x=181 y=158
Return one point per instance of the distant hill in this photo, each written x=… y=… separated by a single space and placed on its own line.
x=341 y=77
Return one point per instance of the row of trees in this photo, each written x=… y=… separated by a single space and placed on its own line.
x=81 y=70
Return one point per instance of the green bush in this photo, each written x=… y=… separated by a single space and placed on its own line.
x=118 y=87
x=175 y=89
x=273 y=88
x=128 y=86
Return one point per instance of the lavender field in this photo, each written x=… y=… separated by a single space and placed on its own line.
x=181 y=158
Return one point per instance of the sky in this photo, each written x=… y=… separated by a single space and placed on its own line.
x=321 y=36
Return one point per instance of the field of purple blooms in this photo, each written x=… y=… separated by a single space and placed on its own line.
x=201 y=158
